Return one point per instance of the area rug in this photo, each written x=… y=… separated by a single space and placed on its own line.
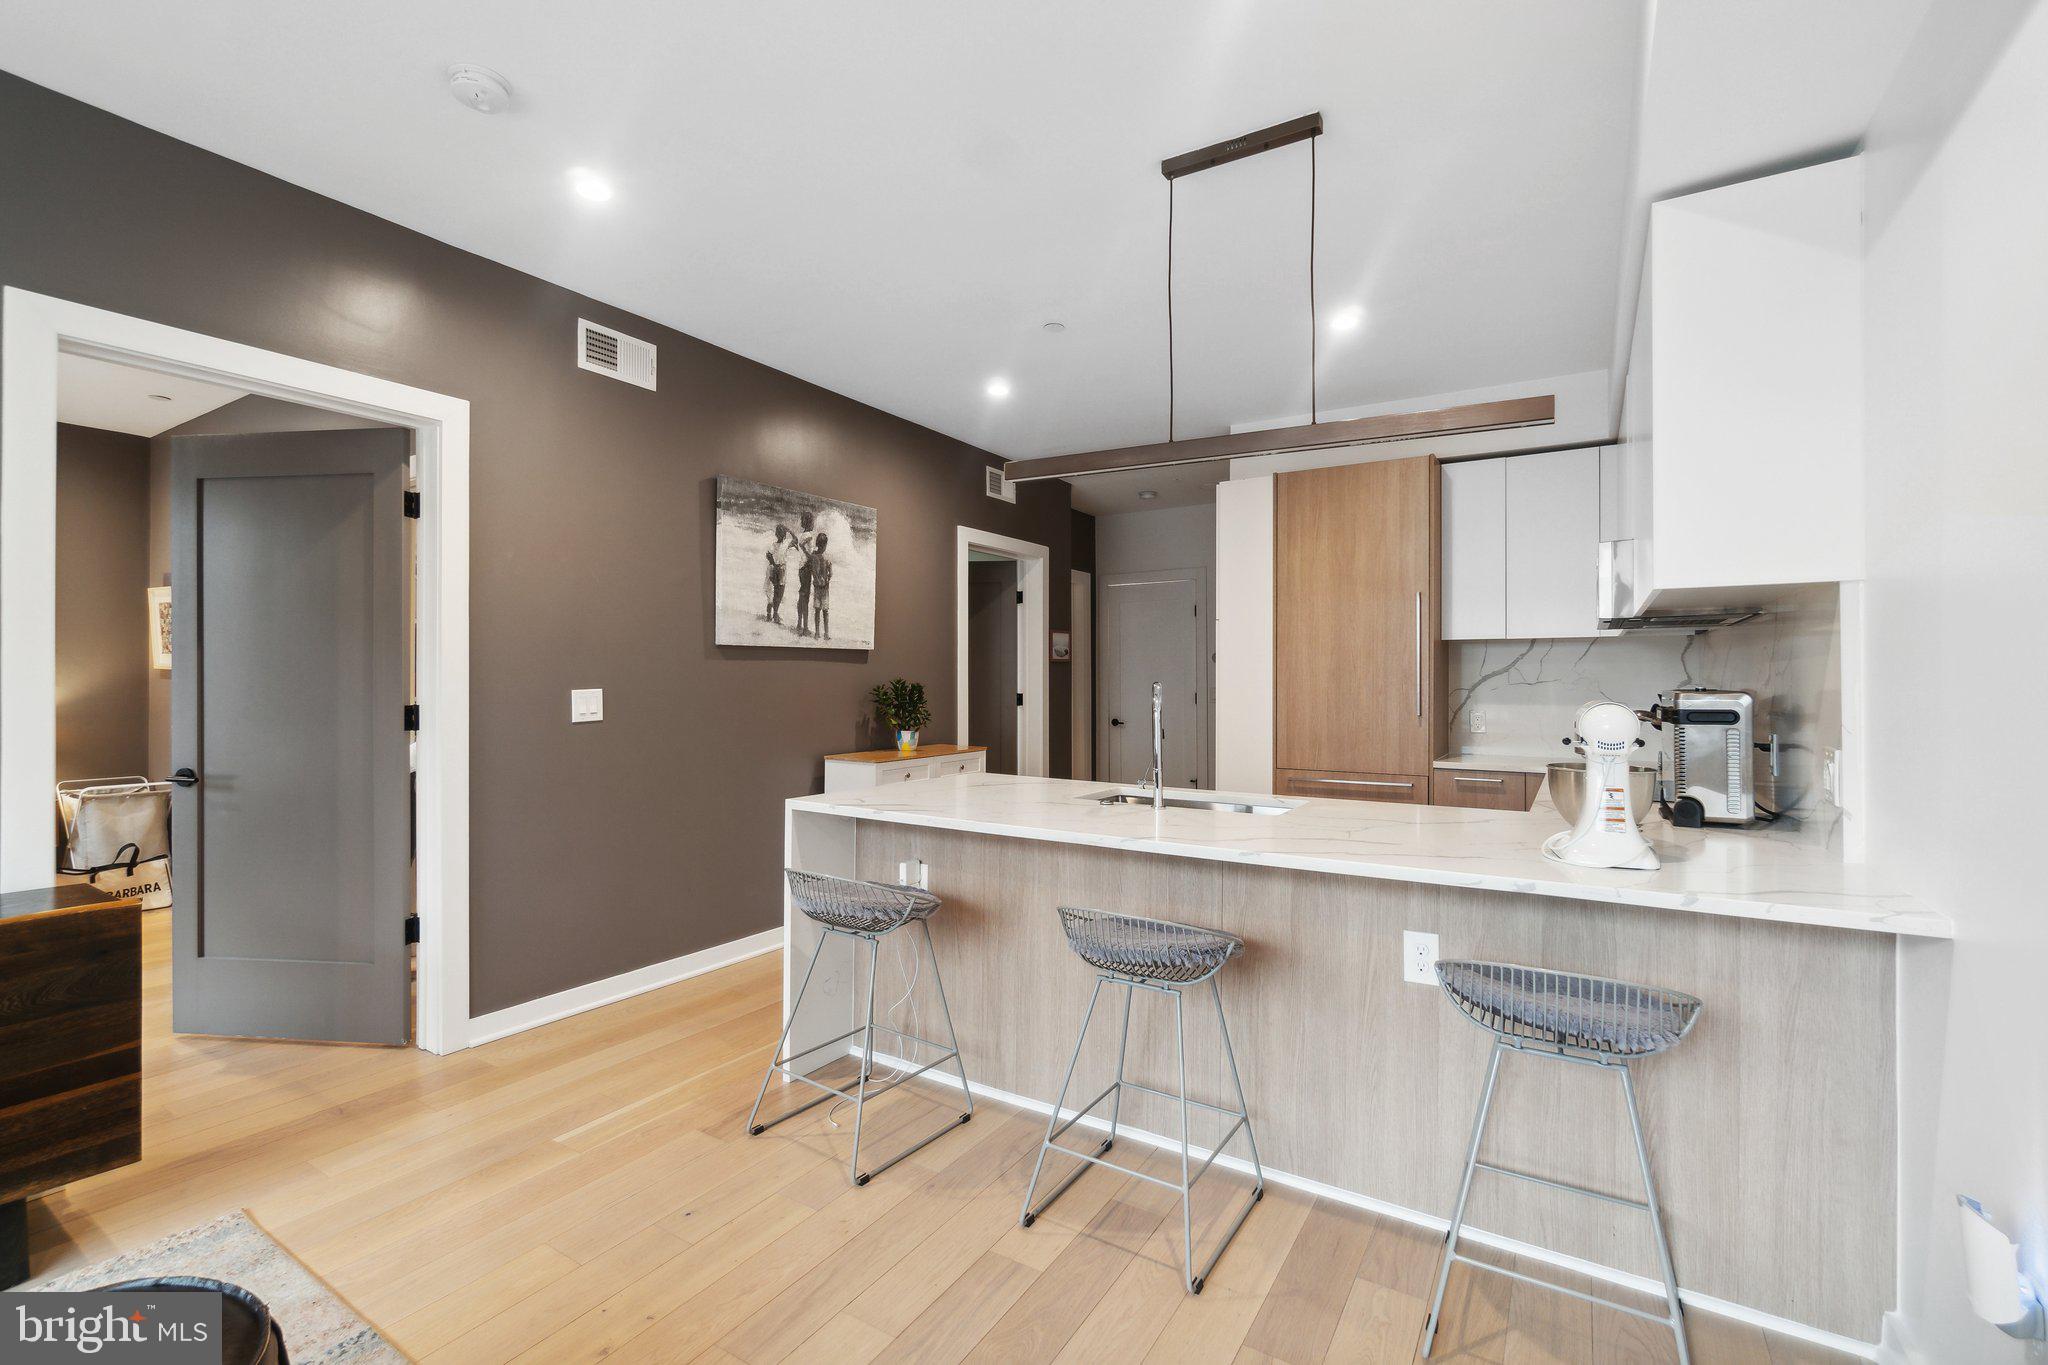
x=319 y=1329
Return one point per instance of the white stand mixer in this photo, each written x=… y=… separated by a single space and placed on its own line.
x=1607 y=834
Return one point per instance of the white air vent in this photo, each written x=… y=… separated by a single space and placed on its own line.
x=997 y=486
x=613 y=353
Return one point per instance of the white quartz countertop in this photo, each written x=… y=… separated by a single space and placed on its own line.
x=1740 y=873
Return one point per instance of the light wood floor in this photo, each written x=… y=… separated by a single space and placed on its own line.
x=586 y=1190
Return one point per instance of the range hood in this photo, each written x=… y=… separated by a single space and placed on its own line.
x=1621 y=607
x=1680 y=620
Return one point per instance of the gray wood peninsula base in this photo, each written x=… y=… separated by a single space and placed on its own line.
x=1772 y=1128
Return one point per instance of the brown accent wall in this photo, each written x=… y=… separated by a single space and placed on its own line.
x=598 y=848
x=102 y=612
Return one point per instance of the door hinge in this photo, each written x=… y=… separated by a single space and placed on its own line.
x=1020 y=597
x=412 y=717
x=412 y=503
x=1020 y=699
x=412 y=928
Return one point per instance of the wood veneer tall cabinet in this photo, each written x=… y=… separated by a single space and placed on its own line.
x=1358 y=660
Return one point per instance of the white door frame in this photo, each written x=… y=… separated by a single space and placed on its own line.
x=1034 y=563
x=34 y=329
x=1108 y=669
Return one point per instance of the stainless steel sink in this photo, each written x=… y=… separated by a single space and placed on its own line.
x=1133 y=796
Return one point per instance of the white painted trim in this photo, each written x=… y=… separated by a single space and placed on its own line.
x=1590 y=1269
x=488 y=1028
x=1034 y=563
x=34 y=328
x=1081 y=666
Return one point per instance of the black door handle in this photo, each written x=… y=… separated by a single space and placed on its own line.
x=1114 y=721
x=185 y=777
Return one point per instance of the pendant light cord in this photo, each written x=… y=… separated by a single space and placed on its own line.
x=1169 y=311
x=1312 y=280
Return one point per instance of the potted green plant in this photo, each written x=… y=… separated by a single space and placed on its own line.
x=900 y=707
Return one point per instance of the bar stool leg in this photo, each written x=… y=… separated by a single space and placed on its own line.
x=1243 y=1106
x=776 y=1059
x=1187 y=1214
x=1116 y=1102
x=1635 y=1119
x=867 y=1064
x=1443 y=1274
x=1028 y=1215
x=952 y=1038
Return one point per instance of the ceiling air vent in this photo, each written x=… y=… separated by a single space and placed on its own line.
x=996 y=486
x=613 y=353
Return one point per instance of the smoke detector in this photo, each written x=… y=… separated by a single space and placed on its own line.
x=478 y=87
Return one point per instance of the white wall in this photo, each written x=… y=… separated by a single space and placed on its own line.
x=1171 y=538
x=1957 y=498
x=1583 y=419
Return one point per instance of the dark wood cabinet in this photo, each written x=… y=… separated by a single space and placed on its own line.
x=1358 y=658
x=70 y=1048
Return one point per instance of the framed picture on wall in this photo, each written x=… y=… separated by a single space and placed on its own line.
x=159 y=627
x=795 y=571
x=1062 y=647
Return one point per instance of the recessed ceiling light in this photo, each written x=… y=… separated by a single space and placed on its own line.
x=1146 y=495
x=588 y=184
x=998 y=387
x=1055 y=327
x=161 y=397
x=1347 y=319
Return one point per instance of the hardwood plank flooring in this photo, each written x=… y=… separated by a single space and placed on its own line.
x=586 y=1191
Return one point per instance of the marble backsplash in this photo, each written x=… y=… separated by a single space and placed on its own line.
x=1525 y=692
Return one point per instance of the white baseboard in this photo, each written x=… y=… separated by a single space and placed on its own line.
x=484 y=1028
x=1591 y=1269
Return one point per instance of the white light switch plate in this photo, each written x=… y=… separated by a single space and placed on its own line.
x=585 y=703
x=1418 y=957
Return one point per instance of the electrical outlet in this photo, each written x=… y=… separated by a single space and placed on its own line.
x=914 y=872
x=1418 y=957
x=1831 y=775
x=1477 y=724
x=585 y=704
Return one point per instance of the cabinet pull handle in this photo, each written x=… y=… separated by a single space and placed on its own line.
x=1418 y=655
x=1494 y=781
x=1344 y=782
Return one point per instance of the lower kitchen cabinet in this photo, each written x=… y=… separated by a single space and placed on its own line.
x=1476 y=790
x=1410 y=787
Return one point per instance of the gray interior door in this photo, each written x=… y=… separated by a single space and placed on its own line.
x=1153 y=632
x=288 y=692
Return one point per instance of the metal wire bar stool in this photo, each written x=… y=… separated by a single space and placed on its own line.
x=865 y=912
x=1588 y=1020
x=1162 y=956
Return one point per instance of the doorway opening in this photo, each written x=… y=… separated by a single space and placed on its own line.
x=276 y=550
x=419 y=620
x=990 y=630
x=995 y=657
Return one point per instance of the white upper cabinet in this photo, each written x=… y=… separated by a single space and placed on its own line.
x=1745 y=397
x=1553 y=544
x=1475 y=550
x=1521 y=546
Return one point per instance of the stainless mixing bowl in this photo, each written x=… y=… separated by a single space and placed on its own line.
x=1568 y=790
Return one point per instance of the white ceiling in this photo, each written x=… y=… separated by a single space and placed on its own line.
x=890 y=199
x=98 y=393
x=1103 y=495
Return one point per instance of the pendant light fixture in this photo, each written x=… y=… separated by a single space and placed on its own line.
x=1513 y=412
